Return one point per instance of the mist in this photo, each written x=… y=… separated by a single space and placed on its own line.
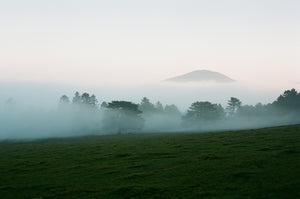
x=45 y=95
x=29 y=111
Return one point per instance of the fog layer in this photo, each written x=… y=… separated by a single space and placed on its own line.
x=82 y=114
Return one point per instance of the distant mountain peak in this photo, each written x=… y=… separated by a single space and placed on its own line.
x=201 y=76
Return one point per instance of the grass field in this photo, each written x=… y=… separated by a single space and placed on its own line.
x=262 y=163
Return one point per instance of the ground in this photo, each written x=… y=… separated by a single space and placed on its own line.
x=261 y=163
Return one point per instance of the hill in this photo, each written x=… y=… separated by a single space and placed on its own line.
x=202 y=76
x=262 y=163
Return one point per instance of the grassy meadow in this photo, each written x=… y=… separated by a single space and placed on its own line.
x=259 y=163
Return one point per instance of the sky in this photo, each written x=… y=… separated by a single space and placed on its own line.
x=134 y=42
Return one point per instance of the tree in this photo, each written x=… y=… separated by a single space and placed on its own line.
x=204 y=111
x=64 y=100
x=146 y=106
x=93 y=101
x=89 y=101
x=233 y=105
x=123 y=116
x=172 y=110
x=289 y=100
x=85 y=99
x=76 y=99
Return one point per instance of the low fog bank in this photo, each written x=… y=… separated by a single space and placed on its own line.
x=82 y=114
x=36 y=123
x=243 y=123
x=45 y=95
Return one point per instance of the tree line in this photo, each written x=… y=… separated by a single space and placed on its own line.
x=126 y=116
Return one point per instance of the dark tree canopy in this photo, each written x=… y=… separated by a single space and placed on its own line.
x=124 y=106
x=289 y=100
x=85 y=99
x=146 y=106
x=76 y=98
x=93 y=101
x=123 y=116
x=204 y=111
x=233 y=105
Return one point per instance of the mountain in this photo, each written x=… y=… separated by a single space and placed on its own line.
x=201 y=76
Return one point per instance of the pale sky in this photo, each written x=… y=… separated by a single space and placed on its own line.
x=136 y=42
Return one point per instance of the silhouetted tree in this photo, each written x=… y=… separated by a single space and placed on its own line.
x=93 y=101
x=123 y=116
x=89 y=101
x=233 y=105
x=77 y=98
x=146 y=106
x=85 y=98
x=289 y=100
x=204 y=111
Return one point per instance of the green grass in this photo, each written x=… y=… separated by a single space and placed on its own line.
x=263 y=163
